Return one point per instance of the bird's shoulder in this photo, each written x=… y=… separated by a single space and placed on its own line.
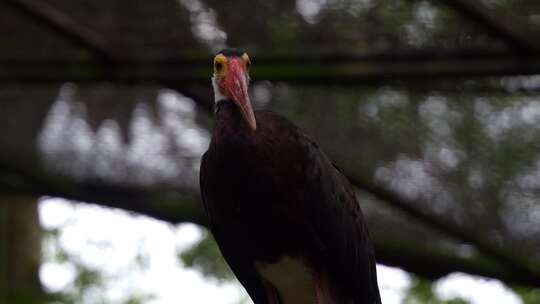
x=281 y=128
x=269 y=119
x=327 y=182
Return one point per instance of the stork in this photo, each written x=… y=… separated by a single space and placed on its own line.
x=284 y=217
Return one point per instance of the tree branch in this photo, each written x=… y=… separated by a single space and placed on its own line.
x=174 y=205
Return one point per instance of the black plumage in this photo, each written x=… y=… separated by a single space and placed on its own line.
x=272 y=193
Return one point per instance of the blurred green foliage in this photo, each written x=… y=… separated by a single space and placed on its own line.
x=206 y=258
x=90 y=282
x=528 y=295
x=421 y=292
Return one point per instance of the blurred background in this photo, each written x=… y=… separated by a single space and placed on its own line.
x=432 y=109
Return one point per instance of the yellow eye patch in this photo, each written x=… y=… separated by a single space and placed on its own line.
x=220 y=64
x=247 y=62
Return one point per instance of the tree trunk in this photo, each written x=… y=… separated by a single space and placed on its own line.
x=20 y=250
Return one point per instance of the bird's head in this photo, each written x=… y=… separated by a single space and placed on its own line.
x=231 y=80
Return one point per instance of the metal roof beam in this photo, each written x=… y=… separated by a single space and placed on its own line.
x=507 y=30
x=311 y=72
x=62 y=24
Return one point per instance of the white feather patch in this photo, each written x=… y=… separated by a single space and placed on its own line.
x=292 y=278
x=217 y=93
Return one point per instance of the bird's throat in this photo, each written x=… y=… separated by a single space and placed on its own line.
x=229 y=120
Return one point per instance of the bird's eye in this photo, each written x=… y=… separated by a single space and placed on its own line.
x=219 y=66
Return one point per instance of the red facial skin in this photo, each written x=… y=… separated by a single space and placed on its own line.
x=234 y=84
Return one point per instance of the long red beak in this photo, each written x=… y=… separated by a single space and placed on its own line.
x=234 y=85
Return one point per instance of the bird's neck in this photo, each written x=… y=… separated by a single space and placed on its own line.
x=230 y=125
x=217 y=93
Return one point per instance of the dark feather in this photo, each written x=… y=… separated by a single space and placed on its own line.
x=274 y=193
x=231 y=52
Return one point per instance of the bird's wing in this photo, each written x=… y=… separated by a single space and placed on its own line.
x=329 y=214
x=331 y=218
x=243 y=268
x=337 y=219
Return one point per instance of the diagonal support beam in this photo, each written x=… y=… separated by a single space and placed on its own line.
x=62 y=24
x=79 y=35
x=526 y=267
x=500 y=26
